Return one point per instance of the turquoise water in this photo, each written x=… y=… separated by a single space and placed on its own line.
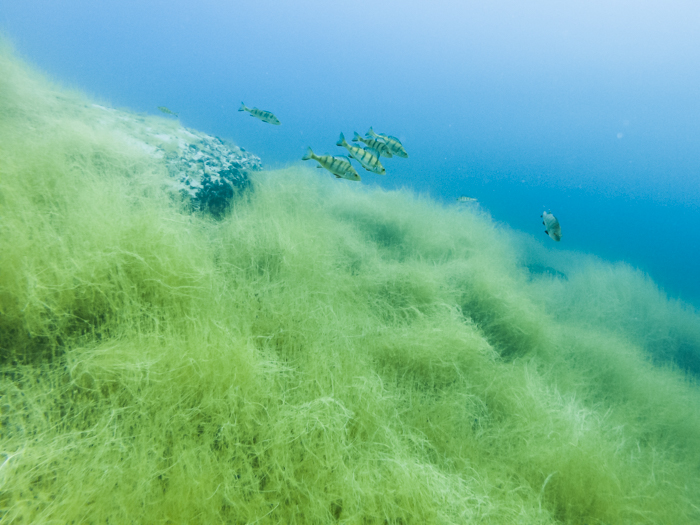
x=590 y=111
x=328 y=351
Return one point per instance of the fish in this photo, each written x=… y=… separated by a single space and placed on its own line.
x=167 y=111
x=265 y=116
x=377 y=145
x=552 y=224
x=369 y=160
x=392 y=143
x=338 y=166
x=465 y=199
x=541 y=270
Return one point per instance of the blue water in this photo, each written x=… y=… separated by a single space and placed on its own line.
x=589 y=109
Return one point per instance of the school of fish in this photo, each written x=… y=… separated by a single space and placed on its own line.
x=376 y=145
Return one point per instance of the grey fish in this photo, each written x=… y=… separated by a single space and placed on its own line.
x=338 y=166
x=167 y=111
x=540 y=269
x=393 y=143
x=369 y=160
x=377 y=145
x=265 y=116
x=552 y=224
x=465 y=199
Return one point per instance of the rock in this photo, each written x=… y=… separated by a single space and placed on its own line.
x=210 y=170
x=206 y=169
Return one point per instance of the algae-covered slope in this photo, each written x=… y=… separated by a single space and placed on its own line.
x=205 y=169
x=323 y=353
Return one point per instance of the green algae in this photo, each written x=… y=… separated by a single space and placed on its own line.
x=324 y=353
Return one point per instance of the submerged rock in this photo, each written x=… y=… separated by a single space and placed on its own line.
x=206 y=169
x=210 y=170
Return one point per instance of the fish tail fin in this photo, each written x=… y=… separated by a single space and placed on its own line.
x=242 y=108
x=356 y=137
x=341 y=140
x=371 y=132
x=309 y=154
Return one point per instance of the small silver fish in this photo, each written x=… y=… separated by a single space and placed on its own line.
x=392 y=143
x=167 y=111
x=338 y=166
x=552 y=224
x=377 y=145
x=465 y=199
x=369 y=160
x=265 y=116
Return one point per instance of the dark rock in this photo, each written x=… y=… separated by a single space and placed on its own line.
x=208 y=170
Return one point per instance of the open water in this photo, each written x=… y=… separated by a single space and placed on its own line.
x=587 y=109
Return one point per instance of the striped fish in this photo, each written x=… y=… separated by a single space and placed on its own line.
x=338 y=166
x=377 y=145
x=167 y=111
x=393 y=143
x=464 y=199
x=265 y=116
x=369 y=161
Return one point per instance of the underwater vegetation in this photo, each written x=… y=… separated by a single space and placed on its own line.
x=320 y=353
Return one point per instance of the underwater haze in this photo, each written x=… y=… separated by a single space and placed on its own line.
x=327 y=351
x=589 y=110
